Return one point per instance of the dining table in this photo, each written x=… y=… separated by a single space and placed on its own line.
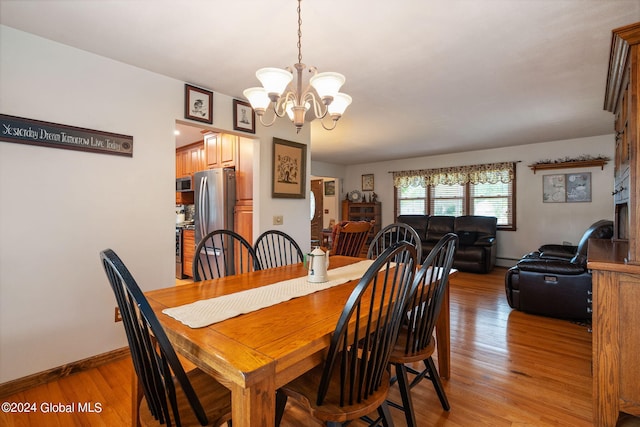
x=255 y=353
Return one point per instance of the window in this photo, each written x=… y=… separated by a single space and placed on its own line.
x=492 y=200
x=412 y=200
x=447 y=200
x=486 y=190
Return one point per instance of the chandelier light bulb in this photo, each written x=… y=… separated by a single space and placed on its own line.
x=340 y=103
x=327 y=84
x=274 y=80
x=258 y=98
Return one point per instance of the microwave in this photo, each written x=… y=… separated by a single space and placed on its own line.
x=184 y=184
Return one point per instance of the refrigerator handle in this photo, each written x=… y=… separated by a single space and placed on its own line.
x=201 y=216
x=205 y=206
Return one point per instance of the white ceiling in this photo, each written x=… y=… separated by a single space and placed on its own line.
x=426 y=76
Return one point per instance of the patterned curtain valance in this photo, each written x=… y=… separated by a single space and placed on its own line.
x=490 y=173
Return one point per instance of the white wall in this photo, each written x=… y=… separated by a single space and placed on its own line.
x=59 y=208
x=537 y=222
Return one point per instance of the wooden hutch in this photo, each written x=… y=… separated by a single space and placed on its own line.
x=616 y=263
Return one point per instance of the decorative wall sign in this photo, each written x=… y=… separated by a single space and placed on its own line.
x=244 y=118
x=198 y=104
x=289 y=177
x=35 y=132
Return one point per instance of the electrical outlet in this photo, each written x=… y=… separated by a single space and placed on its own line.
x=278 y=220
x=117 y=316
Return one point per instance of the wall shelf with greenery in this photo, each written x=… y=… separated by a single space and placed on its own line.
x=570 y=163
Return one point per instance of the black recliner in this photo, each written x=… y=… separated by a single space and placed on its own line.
x=554 y=280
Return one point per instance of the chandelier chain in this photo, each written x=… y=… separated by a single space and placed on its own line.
x=299 y=34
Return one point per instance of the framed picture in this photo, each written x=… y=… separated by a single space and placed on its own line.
x=367 y=182
x=198 y=104
x=244 y=118
x=553 y=188
x=329 y=188
x=289 y=177
x=578 y=187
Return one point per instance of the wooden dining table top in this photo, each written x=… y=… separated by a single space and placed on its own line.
x=255 y=353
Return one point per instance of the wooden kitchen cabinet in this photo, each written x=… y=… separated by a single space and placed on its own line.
x=190 y=159
x=188 y=251
x=220 y=150
x=243 y=218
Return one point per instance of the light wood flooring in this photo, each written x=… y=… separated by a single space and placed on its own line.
x=508 y=369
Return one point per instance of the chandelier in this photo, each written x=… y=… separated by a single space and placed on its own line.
x=287 y=97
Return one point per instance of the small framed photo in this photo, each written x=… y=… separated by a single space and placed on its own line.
x=198 y=104
x=244 y=118
x=367 y=182
x=329 y=188
x=289 y=166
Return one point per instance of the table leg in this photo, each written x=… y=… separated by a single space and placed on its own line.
x=254 y=406
x=443 y=337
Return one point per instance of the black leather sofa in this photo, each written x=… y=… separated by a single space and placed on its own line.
x=554 y=280
x=476 y=251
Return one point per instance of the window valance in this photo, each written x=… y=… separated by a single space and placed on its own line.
x=490 y=173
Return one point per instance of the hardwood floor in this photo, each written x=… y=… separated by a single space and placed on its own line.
x=507 y=369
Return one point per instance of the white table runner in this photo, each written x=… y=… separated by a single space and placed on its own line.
x=206 y=312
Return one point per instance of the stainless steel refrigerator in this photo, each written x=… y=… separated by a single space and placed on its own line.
x=215 y=199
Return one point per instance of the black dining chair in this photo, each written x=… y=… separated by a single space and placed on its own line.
x=275 y=248
x=223 y=253
x=415 y=341
x=354 y=379
x=170 y=396
x=391 y=234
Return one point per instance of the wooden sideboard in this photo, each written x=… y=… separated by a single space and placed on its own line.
x=616 y=331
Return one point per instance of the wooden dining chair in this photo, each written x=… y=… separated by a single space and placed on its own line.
x=223 y=253
x=354 y=379
x=391 y=234
x=170 y=395
x=415 y=340
x=275 y=248
x=349 y=237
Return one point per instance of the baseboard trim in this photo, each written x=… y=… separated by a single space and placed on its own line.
x=21 y=384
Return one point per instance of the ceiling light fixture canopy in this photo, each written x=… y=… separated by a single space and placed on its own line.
x=287 y=97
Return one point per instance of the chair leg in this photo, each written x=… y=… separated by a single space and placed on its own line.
x=383 y=411
x=405 y=394
x=281 y=402
x=437 y=384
